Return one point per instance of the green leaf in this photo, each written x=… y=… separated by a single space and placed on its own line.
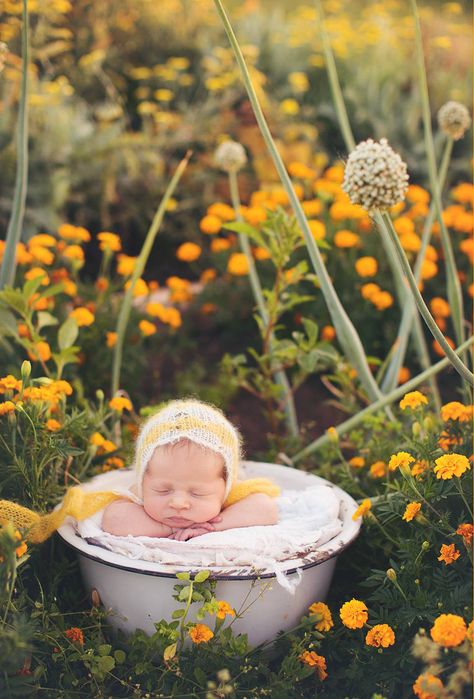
x=177 y=614
x=249 y=231
x=15 y=299
x=8 y=324
x=120 y=656
x=170 y=651
x=200 y=676
x=183 y=576
x=45 y=319
x=201 y=576
x=184 y=594
x=106 y=663
x=67 y=334
x=104 y=649
x=31 y=287
x=311 y=329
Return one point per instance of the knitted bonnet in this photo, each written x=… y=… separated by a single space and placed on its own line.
x=190 y=419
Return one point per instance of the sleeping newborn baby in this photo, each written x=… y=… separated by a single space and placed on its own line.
x=186 y=463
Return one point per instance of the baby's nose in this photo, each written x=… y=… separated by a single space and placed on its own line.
x=179 y=502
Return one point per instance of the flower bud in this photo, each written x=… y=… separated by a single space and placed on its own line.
x=333 y=435
x=454 y=119
x=425 y=546
x=428 y=423
x=25 y=372
x=99 y=394
x=223 y=675
x=391 y=574
x=416 y=429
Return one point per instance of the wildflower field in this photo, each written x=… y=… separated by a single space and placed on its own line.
x=268 y=206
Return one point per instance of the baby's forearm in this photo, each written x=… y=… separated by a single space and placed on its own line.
x=256 y=509
x=124 y=518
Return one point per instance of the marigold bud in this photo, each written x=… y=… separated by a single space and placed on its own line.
x=391 y=574
x=454 y=119
x=416 y=429
x=425 y=545
x=25 y=371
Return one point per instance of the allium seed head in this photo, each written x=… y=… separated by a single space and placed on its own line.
x=454 y=119
x=375 y=176
x=230 y=155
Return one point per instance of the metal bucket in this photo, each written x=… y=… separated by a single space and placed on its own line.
x=139 y=593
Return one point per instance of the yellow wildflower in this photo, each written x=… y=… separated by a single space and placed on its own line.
x=140 y=288
x=369 y=291
x=69 y=232
x=363 y=508
x=74 y=252
x=40 y=352
x=36 y=272
x=325 y=622
x=380 y=636
x=413 y=400
x=354 y=614
x=220 y=244
x=43 y=240
x=449 y=630
x=125 y=265
x=378 y=469
x=119 y=404
x=223 y=609
x=401 y=459
x=317 y=228
x=411 y=511
x=222 y=211
x=450 y=465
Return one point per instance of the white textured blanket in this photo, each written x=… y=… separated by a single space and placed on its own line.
x=307 y=519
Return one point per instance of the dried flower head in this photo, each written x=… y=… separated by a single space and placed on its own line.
x=425 y=649
x=375 y=176
x=454 y=119
x=230 y=156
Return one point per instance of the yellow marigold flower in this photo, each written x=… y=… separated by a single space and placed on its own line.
x=210 y=224
x=429 y=269
x=82 y=316
x=335 y=173
x=401 y=459
x=450 y=465
x=404 y=225
x=238 y=264
x=111 y=339
x=354 y=614
x=140 y=288
x=119 y=403
x=36 y=272
x=23 y=256
x=368 y=291
x=222 y=211
x=147 y=328
x=9 y=383
x=75 y=635
x=69 y=232
x=289 y=107
x=53 y=425
x=410 y=242
x=220 y=244
x=125 y=265
x=40 y=352
x=419 y=467
x=363 y=508
x=311 y=207
x=188 y=252
x=448 y=554
x=343 y=209
x=7 y=407
x=309 y=657
x=404 y=375
x=467 y=532
x=109 y=241
x=382 y=300
x=200 y=633
x=449 y=630
x=413 y=400
x=357 y=462
x=43 y=255
x=172 y=317
x=301 y=171
x=113 y=462
x=328 y=333
x=325 y=622
x=380 y=636
x=255 y=215
x=43 y=240
x=96 y=439
x=74 y=252
x=452 y=411
x=69 y=288
x=464 y=193
x=346 y=239
x=378 y=469
x=317 y=228
x=417 y=194
x=428 y=686
x=366 y=266
x=223 y=609
x=411 y=510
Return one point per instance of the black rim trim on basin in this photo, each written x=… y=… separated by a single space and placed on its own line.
x=216 y=577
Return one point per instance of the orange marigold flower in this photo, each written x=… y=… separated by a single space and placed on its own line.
x=363 y=508
x=22 y=548
x=96 y=439
x=125 y=265
x=450 y=465
x=109 y=241
x=223 y=609
x=111 y=339
x=404 y=225
x=261 y=253
x=429 y=269
x=140 y=288
x=354 y=614
x=238 y=264
x=439 y=307
x=41 y=254
x=346 y=239
x=448 y=554
x=82 y=316
x=43 y=239
x=357 y=462
x=41 y=351
x=255 y=215
x=419 y=467
x=7 y=407
x=378 y=469
x=200 y=633
x=147 y=328
x=366 y=266
x=119 y=404
x=309 y=657
x=9 y=383
x=301 y=171
x=439 y=350
x=452 y=411
x=404 y=375
x=102 y=284
x=382 y=300
x=35 y=273
x=467 y=532
x=210 y=224
x=311 y=207
x=75 y=635
x=207 y=275
x=317 y=228
x=427 y=686
x=413 y=400
x=368 y=291
x=401 y=459
x=417 y=194
x=74 y=252
x=328 y=333
x=222 y=211
x=449 y=630
x=220 y=244
x=411 y=510
x=53 y=425
x=188 y=252
x=69 y=232
x=324 y=622
x=380 y=636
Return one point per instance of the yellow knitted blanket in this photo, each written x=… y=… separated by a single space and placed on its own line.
x=81 y=504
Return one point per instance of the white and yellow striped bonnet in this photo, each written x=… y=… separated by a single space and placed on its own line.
x=189 y=419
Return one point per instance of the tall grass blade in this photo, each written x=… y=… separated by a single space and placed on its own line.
x=15 y=224
x=346 y=333
x=124 y=313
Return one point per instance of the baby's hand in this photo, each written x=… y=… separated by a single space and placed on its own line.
x=196 y=529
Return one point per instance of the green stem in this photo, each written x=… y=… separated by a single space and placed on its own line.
x=381 y=403
x=453 y=284
x=125 y=309
x=463 y=497
x=8 y=268
x=346 y=333
x=280 y=376
x=460 y=367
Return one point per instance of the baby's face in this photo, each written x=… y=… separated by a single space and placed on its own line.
x=183 y=484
